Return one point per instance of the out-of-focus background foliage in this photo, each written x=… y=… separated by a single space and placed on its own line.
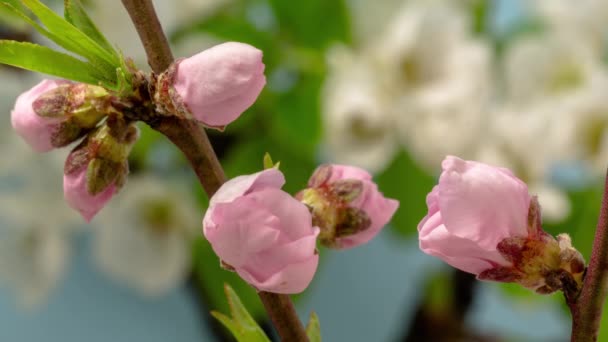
x=390 y=85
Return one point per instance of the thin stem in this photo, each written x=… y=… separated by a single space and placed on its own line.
x=192 y=140
x=150 y=32
x=284 y=316
x=587 y=310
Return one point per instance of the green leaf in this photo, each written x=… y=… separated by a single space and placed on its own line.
x=241 y=325
x=47 y=61
x=313 y=328
x=297 y=119
x=408 y=183
x=75 y=14
x=71 y=38
x=314 y=23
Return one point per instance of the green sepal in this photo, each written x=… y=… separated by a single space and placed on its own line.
x=268 y=163
x=242 y=326
x=313 y=328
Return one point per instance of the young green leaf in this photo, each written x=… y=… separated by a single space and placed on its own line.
x=106 y=72
x=268 y=163
x=241 y=325
x=313 y=328
x=45 y=60
x=71 y=38
x=75 y=14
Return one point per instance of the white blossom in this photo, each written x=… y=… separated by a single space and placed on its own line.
x=358 y=125
x=584 y=20
x=143 y=239
x=35 y=224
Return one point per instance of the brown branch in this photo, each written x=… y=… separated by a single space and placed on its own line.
x=192 y=140
x=150 y=32
x=587 y=309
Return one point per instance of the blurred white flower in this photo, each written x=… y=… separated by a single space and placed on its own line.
x=554 y=202
x=143 y=239
x=35 y=223
x=416 y=47
x=358 y=125
x=440 y=76
x=580 y=130
x=34 y=249
x=551 y=65
x=424 y=82
x=585 y=20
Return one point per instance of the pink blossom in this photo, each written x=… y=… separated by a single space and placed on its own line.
x=36 y=130
x=377 y=209
x=218 y=84
x=263 y=233
x=76 y=193
x=474 y=208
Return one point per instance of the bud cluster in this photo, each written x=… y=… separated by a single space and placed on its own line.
x=269 y=238
x=213 y=87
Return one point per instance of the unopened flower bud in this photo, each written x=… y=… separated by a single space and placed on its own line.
x=97 y=169
x=482 y=220
x=262 y=233
x=214 y=86
x=346 y=205
x=56 y=113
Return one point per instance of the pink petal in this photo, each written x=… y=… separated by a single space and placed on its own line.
x=294 y=278
x=240 y=229
x=36 y=130
x=76 y=194
x=218 y=84
x=295 y=218
x=482 y=203
x=461 y=253
x=238 y=186
x=339 y=172
x=270 y=261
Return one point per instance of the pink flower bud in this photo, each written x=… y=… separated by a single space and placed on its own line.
x=347 y=205
x=482 y=220
x=36 y=130
x=474 y=207
x=97 y=168
x=77 y=195
x=216 y=85
x=263 y=233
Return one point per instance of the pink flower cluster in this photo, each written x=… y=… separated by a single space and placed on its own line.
x=269 y=238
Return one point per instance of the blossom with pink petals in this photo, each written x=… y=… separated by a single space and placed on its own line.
x=347 y=205
x=263 y=233
x=215 y=86
x=36 y=130
x=473 y=208
x=482 y=220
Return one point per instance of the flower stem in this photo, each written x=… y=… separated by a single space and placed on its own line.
x=283 y=314
x=587 y=308
x=192 y=140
